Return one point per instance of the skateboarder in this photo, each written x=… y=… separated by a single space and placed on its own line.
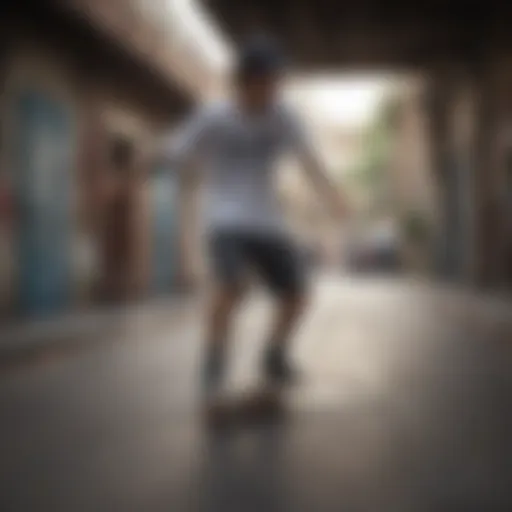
x=238 y=142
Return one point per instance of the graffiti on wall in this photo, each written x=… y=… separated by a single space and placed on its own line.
x=42 y=166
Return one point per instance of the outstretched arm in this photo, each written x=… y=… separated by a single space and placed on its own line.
x=181 y=150
x=319 y=178
x=302 y=145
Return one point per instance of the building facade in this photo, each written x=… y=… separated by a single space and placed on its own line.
x=87 y=85
x=413 y=191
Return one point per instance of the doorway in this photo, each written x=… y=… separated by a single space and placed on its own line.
x=117 y=225
x=165 y=225
x=42 y=164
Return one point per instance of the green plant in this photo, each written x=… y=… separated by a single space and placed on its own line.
x=371 y=171
x=415 y=227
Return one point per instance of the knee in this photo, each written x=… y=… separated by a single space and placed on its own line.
x=227 y=298
x=295 y=304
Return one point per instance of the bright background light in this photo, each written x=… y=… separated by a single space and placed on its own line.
x=342 y=101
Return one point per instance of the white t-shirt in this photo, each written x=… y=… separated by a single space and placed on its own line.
x=239 y=154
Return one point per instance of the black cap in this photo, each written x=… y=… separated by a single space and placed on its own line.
x=260 y=56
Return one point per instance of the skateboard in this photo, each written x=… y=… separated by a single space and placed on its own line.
x=252 y=406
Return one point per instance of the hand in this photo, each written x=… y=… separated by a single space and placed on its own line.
x=339 y=209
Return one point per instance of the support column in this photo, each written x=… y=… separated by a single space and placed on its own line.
x=191 y=266
x=498 y=175
x=486 y=182
x=457 y=120
x=6 y=199
x=91 y=192
x=437 y=100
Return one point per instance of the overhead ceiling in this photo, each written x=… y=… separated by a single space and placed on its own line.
x=368 y=33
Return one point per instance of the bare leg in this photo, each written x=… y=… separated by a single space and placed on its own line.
x=289 y=313
x=222 y=306
x=220 y=313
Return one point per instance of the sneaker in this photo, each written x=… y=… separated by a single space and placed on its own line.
x=213 y=372
x=278 y=368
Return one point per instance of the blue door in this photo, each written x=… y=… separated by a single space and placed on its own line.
x=42 y=168
x=164 y=201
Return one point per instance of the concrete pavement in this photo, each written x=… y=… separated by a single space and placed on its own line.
x=32 y=338
x=406 y=407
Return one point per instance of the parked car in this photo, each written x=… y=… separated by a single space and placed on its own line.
x=377 y=250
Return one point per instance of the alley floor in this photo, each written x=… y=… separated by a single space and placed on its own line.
x=405 y=406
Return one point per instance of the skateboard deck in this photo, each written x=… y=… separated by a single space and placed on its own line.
x=260 y=404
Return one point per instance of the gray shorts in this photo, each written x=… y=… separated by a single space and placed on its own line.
x=273 y=257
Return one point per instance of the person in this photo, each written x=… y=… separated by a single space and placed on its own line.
x=238 y=142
